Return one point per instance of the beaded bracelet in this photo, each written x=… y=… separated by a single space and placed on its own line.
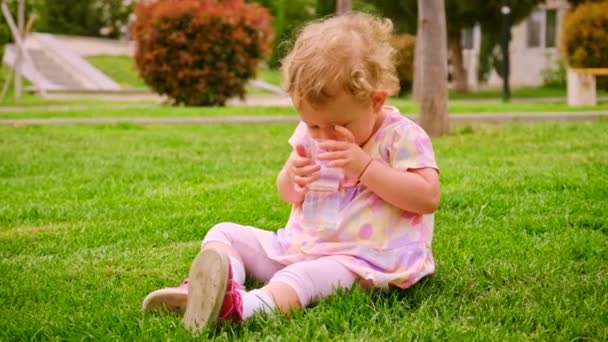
x=365 y=168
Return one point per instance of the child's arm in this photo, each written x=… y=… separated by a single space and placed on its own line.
x=416 y=190
x=297 y=173
x=286 y=186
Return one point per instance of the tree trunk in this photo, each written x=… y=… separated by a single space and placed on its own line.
x=433 y=91
x=19 y=60
x=459 y=73
x=325 y=8
x=418 y=61
x=344 y=6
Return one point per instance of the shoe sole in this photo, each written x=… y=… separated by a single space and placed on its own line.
x=208 y=279
x=166 y=299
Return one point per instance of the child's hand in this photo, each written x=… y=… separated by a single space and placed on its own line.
x=345 y=154
x=303 y=170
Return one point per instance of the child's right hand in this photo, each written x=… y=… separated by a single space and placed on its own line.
x=303 y=170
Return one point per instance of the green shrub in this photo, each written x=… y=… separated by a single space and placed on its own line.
x=555 y=77
x=405 y=44
x=114 y=16
x=74 y=17
x=200 y=52
x=5 y=37
x=31 y=7
x=289 y=16
x=106 y=18
x=585 y=36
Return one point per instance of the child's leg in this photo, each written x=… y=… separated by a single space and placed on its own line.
x=301 y=284
x=217 y=274
x=245 y=253
x=296 y=286
x=216 y=295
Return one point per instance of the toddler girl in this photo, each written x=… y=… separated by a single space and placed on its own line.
x=377 y=211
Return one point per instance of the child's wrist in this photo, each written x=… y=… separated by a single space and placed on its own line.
x=365 y=168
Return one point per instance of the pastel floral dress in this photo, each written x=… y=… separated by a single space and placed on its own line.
x=382 y=244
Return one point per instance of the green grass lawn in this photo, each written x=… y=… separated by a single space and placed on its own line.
x=271 y=76
x=29 y=99
x=456 y=107
x=119 y=68
x=522 y=92
x=517 y=93
x=92 y=218
x=34 y=102
x=406 y=106
x=122 y=70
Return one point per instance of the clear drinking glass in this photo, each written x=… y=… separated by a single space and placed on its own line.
x=321 y=207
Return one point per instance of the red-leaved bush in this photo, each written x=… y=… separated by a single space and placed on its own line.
x=585 y=36
x=200 y=52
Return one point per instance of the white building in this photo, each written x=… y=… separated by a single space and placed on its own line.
x=534 y=47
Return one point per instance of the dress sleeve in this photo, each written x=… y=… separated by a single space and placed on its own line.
x=299 y=136
x=411 y=148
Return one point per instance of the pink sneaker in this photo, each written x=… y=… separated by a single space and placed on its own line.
x=212 y=293
x=171 y=298
x=232 y=306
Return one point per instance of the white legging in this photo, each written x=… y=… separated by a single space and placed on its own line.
x=311 y=280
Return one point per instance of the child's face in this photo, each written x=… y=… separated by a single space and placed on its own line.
x=359 y=118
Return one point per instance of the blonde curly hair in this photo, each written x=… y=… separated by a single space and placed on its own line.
x=348 y=53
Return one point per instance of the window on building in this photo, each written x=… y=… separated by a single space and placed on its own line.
x=534 y=29
x=468 y=38
x=550 y=28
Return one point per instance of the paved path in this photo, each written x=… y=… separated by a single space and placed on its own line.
x=544 y=99
x=70 y=108
x=454 y=119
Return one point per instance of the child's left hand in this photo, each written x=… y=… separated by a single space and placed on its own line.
x=345 y=154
